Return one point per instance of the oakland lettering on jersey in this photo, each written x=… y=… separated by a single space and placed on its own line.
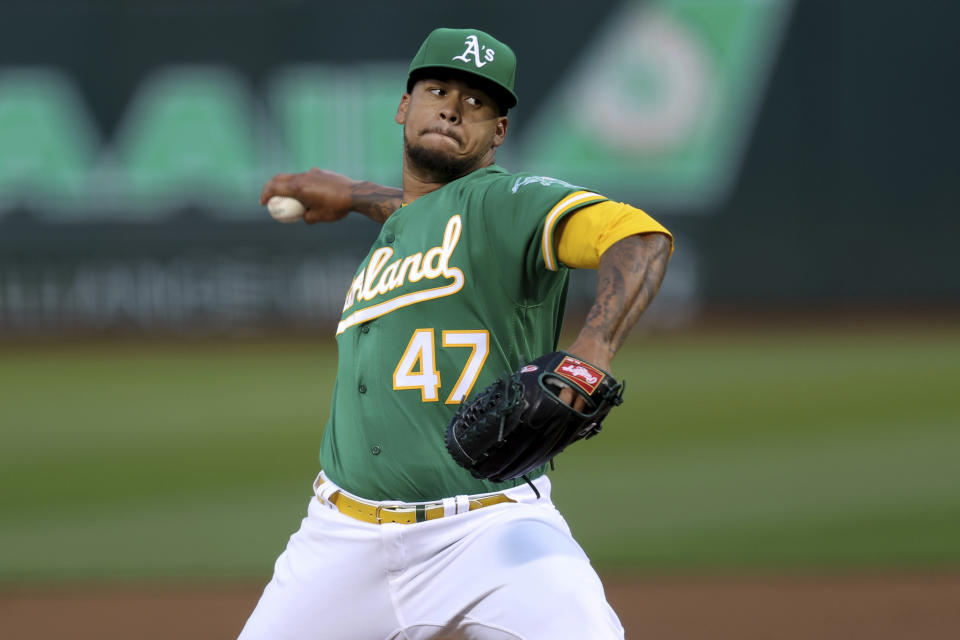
x=379 y=278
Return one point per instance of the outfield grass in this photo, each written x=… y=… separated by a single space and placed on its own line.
x=793 y=448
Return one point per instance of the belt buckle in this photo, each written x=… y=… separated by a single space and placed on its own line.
x=381 y=507
x=388 y=507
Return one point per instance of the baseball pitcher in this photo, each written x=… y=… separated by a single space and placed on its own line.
x=432 y=515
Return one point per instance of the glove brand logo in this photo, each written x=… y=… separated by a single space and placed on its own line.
x=529 y=368
x=378 y=278
x=474 y=49
x=580 y=373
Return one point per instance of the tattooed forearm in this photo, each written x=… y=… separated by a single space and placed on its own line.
x=629 y=277
x=375 y=201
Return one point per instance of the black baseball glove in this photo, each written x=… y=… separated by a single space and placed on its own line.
x=519 y=423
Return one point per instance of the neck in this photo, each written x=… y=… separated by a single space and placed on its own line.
x=417 y=182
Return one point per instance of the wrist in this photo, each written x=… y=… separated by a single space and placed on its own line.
x=374 y=200
x=358 y=195
x=593 y=350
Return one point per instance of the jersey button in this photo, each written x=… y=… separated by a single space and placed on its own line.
x=375 y=449
x=364 y=328
x=389 y=237
x=362 y=388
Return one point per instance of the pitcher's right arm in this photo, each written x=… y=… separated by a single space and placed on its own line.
x=329 y=196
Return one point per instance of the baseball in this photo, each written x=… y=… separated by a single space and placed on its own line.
x=284 y=209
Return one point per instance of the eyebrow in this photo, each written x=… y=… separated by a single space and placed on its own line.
x=469 y=87
x=488 y=97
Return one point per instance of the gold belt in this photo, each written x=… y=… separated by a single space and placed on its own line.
x=375 y=513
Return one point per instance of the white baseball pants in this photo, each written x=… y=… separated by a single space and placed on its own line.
x=508 y=571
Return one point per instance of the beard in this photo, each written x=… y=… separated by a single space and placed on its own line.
x=440 y=166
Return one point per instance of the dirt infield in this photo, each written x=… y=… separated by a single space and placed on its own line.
x=876 y=607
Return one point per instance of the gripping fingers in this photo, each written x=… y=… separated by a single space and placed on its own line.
x=571 y=398
x=278 y=185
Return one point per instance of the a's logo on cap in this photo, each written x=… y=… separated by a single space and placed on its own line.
x=474 y=49
x=580 y=373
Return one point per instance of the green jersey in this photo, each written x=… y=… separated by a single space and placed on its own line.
x=461 y=286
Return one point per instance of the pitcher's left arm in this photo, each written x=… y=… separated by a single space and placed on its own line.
x=630 y=250
x=629 y=276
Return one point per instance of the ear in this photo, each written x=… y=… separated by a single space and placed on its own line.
x=500 y=132
x=401 y=116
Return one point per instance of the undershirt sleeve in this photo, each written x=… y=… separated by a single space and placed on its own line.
x=590 y=231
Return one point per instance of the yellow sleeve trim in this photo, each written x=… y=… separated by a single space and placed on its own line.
x=594 y=229
x=572 y=201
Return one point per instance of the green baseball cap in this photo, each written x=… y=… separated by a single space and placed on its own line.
x=468 y=51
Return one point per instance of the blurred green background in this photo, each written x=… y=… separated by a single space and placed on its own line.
x=767 y=448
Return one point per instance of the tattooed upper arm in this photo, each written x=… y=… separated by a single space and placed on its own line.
x=630 y=274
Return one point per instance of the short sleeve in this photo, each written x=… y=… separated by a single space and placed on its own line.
x=592 y=230
x=522 y=214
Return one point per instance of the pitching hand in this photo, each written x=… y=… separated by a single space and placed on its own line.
x=326 y=195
